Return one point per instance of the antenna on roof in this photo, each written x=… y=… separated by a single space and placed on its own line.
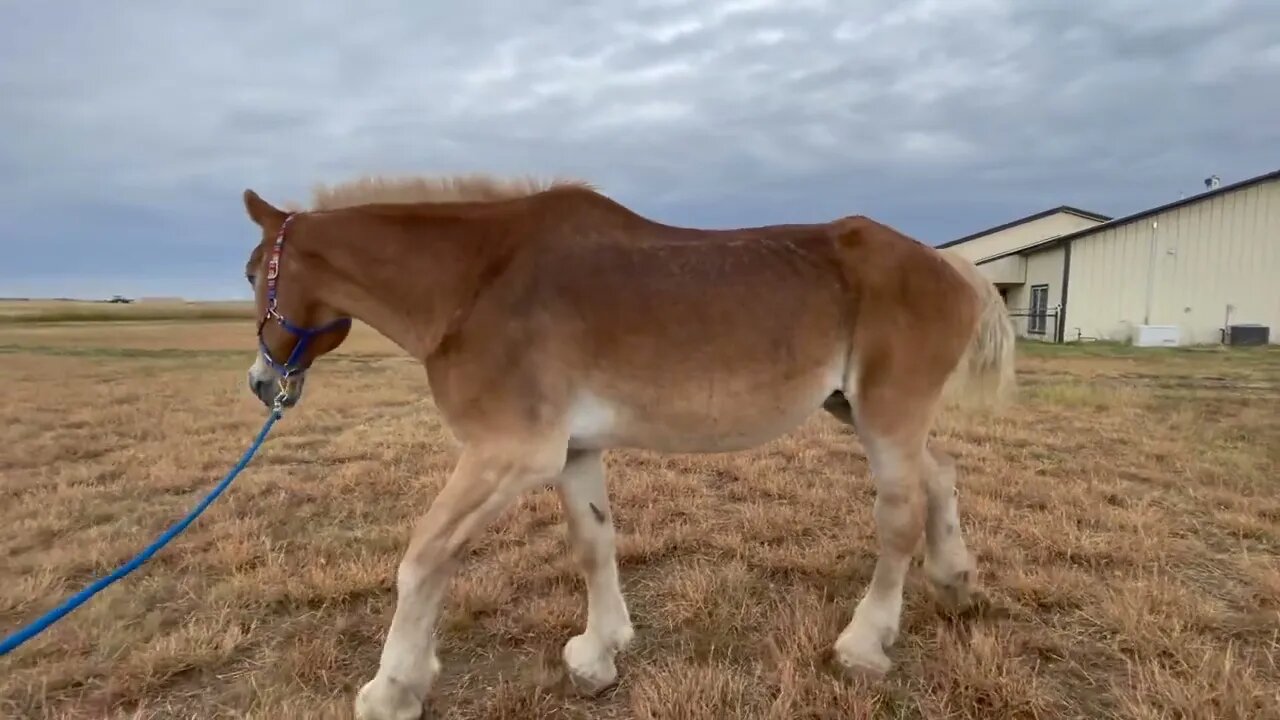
x=1212 y=182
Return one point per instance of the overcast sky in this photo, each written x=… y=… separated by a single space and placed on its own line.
x=129 y=129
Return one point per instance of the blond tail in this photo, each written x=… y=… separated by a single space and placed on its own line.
x=985 y=374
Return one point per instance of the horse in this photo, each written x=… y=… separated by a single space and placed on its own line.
x=554 y=323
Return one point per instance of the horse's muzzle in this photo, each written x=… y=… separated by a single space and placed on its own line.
x=272 y=391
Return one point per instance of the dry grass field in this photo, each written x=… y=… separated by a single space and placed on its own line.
x=1125 y=515
x=63 y=311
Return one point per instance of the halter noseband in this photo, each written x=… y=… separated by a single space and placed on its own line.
x=287 y=369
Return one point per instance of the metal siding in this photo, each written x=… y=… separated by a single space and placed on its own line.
x=1043 y=268
x=1223 y=250
x=1020 y=236
x=1108 y=275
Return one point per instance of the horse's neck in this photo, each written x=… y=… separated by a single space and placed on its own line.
x=409 y=286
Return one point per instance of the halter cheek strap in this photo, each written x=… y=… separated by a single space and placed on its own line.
x=288 y=368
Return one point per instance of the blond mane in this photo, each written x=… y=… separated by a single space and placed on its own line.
x=415 y=189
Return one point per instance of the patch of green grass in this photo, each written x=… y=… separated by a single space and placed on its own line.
x=1073 y=395
x=1112 y=349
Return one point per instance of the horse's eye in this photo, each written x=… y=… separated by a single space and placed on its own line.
x=252 y=280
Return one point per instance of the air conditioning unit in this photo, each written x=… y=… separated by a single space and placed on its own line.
x=1157 y=336
x=1248 y=334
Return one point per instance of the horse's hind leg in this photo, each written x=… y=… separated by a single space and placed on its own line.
x=897 y=466
x=893 y=413
x=947 y=561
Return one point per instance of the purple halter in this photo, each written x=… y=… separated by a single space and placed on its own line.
x=287 y=369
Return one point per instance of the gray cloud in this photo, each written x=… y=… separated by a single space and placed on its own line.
x=129 y=130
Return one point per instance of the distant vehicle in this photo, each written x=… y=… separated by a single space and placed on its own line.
x=119 y=299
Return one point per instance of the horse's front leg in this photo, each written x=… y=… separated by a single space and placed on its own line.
x=485 y=482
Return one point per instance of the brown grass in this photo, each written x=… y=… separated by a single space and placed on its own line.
x=44 y=312
x=1125 y=515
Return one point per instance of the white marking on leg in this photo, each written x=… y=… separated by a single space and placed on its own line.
x=482 y=486
x=584 y=497
x=899 y=514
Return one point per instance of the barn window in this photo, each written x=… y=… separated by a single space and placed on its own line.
x=1037 y=320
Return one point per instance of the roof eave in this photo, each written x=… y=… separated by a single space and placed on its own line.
x=1052 y=242
x=1026 y=219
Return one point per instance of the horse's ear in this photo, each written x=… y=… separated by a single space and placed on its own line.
x=262 y=212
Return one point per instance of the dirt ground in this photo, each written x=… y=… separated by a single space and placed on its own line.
x=1125 y=515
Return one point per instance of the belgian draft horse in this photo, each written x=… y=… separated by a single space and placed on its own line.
x=554 y=324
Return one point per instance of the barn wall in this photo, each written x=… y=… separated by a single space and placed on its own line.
x=1043 y=268
x=1198 y=258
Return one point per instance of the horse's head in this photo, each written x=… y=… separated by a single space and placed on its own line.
x=295 y=326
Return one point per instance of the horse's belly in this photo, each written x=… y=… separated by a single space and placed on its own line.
x=697 y=416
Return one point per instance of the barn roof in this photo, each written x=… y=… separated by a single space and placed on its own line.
x=1034 y=216
x=1052 y=242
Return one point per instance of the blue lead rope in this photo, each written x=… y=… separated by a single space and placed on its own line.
x=18 y=638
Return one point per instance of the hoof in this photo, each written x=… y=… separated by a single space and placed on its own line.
x=387 y=700
x=955 y=591
x=869 y=664
x=863 y=657
x=591 y=668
